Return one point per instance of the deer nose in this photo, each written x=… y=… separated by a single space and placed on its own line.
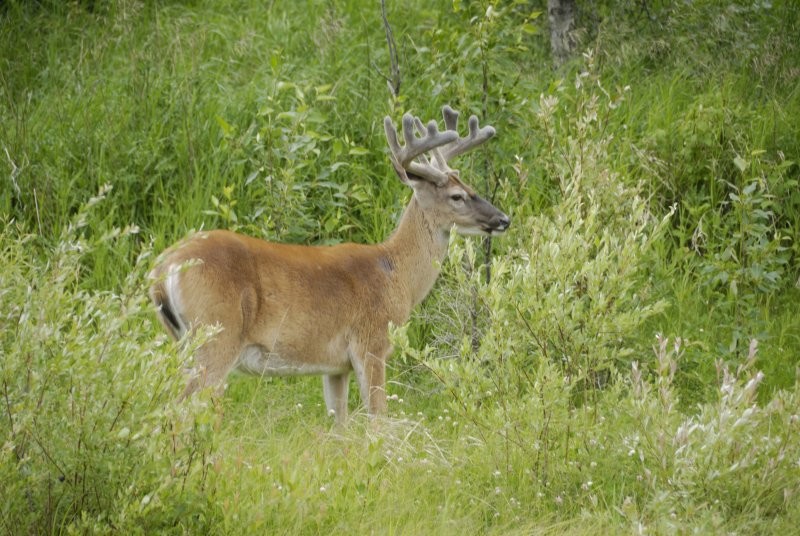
x=503 y=222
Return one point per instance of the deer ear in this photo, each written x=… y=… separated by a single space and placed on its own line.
x=414 y=180
x=401 y=173
x=406 y=177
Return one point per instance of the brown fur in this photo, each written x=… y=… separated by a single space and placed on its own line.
x=312 y=310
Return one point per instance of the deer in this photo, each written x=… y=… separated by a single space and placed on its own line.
x=284 y=309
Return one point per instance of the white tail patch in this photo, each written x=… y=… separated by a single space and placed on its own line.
x=172 y=289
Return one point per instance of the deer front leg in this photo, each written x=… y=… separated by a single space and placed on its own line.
x=335 y=387
x=370 y=368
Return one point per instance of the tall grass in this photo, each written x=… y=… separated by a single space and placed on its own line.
x=607 y=376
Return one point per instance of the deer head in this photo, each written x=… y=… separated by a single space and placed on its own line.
x=422 y=164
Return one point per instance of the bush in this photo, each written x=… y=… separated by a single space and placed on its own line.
x=555 y=392
x=732 y=463
x=89 y=435
x=559 y=319
x=575 y=290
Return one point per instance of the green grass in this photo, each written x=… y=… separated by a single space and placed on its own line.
x=568 y=416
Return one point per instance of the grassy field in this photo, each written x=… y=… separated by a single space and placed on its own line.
x=630 y=367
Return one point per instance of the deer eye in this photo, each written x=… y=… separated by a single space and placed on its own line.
x=457 y=197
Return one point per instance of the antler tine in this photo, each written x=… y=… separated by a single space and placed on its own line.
x=399 y=154
x=475 y=137
x=439 y=161
x=408 y=135
x=430 y=139
x=391 y=137
x=450 y=118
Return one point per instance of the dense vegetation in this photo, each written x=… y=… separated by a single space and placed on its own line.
x=631 y=365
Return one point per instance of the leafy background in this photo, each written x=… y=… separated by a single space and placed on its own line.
x=630 y=365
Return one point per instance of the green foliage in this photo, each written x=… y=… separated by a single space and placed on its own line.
x=292 y=160
x=713 y=112
x=574 y=290
x=545 y=392
x=652 y=184
x=90 y=437
x=729 y=464
x=751 y=255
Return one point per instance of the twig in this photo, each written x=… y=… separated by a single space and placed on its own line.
x=38 y=218
x=394 y=80
x=14 y=172
x=10 y=415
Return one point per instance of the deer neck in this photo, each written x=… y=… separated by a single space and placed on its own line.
x=417 y=248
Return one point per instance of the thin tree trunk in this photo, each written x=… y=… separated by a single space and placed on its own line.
x=561 y=14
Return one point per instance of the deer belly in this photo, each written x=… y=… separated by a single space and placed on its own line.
x=257 y=360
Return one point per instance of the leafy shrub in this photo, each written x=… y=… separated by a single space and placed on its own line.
x=560 y=317
x=288 y=159
x=543 y=389
x=733 y=462
x=575 y=290
x=90 y=437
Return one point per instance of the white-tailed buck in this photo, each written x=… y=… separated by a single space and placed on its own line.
x=302 y=310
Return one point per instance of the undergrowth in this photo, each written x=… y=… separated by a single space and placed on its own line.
x=624 y=360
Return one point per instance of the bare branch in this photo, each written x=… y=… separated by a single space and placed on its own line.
x=394 y=79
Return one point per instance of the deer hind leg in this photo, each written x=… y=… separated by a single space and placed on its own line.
x=370 y=368
x=335 y=388
x=213 y=361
